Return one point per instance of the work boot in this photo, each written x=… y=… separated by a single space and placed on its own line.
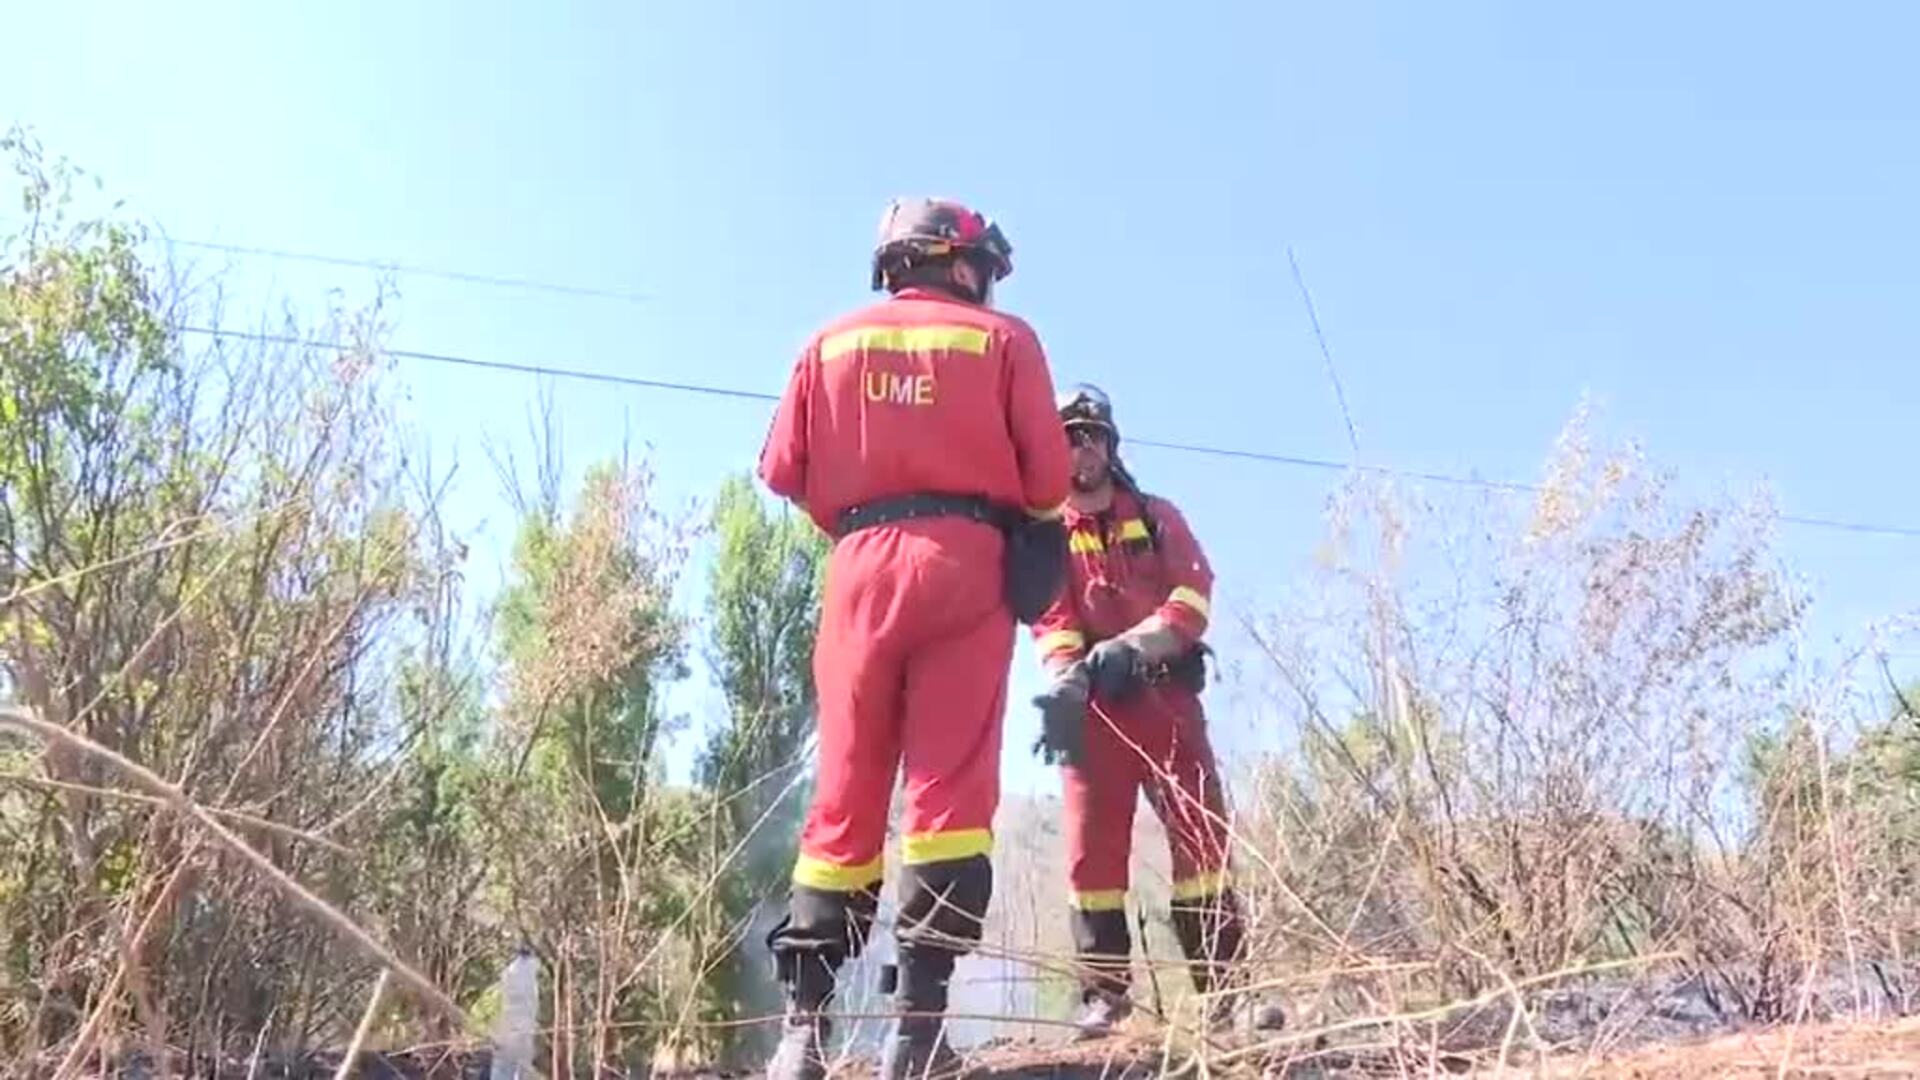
x=805 y=1029
x=1102 y=1011
x=1268 y=1015
x=918 y=1048
x=801 y=1054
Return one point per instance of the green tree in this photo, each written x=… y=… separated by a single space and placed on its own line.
x=596 y=859
x=763 y=610
x=208 y=559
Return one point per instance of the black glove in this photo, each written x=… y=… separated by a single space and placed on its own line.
x=1063 y=720
x=1114 y=669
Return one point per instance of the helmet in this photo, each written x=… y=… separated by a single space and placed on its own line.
x=1086 y=405
x=926 y=227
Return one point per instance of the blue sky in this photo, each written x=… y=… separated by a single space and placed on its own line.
x=1702 y=214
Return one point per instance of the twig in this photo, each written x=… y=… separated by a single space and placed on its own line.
x=366 y=1026
x=422 y=987
x=83 y=1042
x=1153 y=972
x=158 y=546
x=236 y=816
x=259 y=1047
x=1439 y=1011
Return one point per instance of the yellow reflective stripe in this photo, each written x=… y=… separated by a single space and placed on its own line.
x=965 y=339
x=1061 y=641
x=929 y=847
x=1198 y=886
x=1085 y=543
x=832 y=877
x=1100 y=900
x=1194 y=599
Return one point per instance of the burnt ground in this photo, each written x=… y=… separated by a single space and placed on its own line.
x=1677 y=1027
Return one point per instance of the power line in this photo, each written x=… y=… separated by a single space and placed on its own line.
x=490 y=365
x=1295 y=460
x=1326 y=354
x=527 y=284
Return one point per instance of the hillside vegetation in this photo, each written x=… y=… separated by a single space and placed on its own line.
x=1527 y=770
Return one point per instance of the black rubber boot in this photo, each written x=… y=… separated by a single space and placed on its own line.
x=1214 y=941
x=805 y=1031
x=1104 y=945
x=918 y=1048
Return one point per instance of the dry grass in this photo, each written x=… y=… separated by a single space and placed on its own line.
x=1535 y=784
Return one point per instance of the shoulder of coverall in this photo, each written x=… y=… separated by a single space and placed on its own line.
x=930 y=301
x=925 y=307
x=1125 y=505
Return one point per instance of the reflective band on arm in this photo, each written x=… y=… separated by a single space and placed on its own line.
x=907 y=339
x=1192 y=598
x=1062 y=641
x=930 y=847
x=820 y=874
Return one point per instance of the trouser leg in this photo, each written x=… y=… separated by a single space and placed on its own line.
x=1099 y=797
x=950 y=742
x=836 y=877
x=1186 y=792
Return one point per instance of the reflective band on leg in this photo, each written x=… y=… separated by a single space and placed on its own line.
x=931 y=847
x=1099 y=900
x=817 y=873
x=1199 y=886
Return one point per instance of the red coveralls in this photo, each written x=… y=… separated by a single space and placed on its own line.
x=1126 y=565
x=916 y=394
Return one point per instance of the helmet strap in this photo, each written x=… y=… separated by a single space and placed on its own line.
x=982 y=292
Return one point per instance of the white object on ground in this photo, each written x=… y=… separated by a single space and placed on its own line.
x=519 y=1013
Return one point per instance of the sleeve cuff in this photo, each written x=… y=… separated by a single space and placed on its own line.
x=1189 y=610
x=1062 y=646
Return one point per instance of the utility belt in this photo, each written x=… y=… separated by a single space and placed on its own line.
x=1035 y=564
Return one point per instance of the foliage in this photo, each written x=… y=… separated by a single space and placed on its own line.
x=1568 y=733
x=763 y=608
x=1525 y=770
x=222 y=567
x=207 y=556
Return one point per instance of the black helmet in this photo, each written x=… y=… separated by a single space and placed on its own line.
x=1086 y=405
x=919 y=228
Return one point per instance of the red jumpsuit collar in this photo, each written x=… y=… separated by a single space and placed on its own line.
x=922 y=292
x=1123 y=505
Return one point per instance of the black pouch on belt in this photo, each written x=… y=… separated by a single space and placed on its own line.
x=1036 y=565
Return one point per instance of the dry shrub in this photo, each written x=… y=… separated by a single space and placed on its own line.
x=1572 y=735
x=223 y=566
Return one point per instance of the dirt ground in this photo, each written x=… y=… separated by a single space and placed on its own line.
x=1854 y=1049
x=1850 y=1050
x=1832 y=1050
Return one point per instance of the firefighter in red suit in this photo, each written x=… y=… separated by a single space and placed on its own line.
x=1124 y=638
x=921 y=433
